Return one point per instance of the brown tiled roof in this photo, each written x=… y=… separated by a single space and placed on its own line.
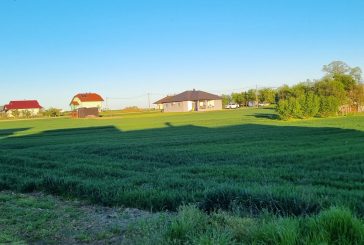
x=164 y=100
x=88 y=97
x=189 y=95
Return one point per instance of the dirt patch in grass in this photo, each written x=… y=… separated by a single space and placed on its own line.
x=38 y=218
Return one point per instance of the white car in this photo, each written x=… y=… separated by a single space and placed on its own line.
x=263 y=104
x=232 y=106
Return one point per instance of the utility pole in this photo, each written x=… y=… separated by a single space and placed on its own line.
x=256 y=95
x=148 y=100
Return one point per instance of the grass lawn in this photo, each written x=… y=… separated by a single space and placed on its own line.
x=242 y=161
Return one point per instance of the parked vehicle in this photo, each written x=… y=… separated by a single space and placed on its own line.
x=232 y=106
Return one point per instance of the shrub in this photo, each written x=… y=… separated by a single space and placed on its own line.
x=15 y=113
x=52 y=112
x=282 y=231
x=282 y=109
x=310 y=104
x=192 y=226
x=189 y=222
x=289 y=108
x=334 y=226
x=329 y=106
x=26 y=114
x=3 y=115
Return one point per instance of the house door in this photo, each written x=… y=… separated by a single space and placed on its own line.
x=194 y=106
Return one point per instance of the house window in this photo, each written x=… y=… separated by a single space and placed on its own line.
x=179 y=104
x=203 y=104
x=210 y=103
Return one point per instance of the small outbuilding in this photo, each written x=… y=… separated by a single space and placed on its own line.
x=85 y=112
x=190 y=100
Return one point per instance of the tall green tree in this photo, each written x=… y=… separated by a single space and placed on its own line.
x=302 y=88
x=341 y=87
x=348 y=81
x=329 y=106
x=267 y=95
x=310 y=104
x=251 y=95
x=226 y=99
x=329 y=87
x=341 y=68
x=239 y=98
x=358 y=95
x=284 y=92
x=336 y=67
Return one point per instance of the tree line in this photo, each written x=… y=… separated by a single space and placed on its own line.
x=264 y=95
x=51 y=112
x=340 y=91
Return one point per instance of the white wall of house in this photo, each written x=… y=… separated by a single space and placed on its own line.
x=189 y=106
x=87 y=104
x=159 y=106
x=210 y=105
x=176 y=106
x=185 y=106
x=33 y=112
x=91 y=104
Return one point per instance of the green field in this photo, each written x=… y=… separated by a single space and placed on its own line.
x=241 y=161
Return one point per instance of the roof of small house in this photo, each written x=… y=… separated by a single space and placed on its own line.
x=88 y=97
x=164 y=100
x=189 y=95
x=22 y=104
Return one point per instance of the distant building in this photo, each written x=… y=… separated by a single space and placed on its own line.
x=86 y=100
x=22 y=106
x=85 y=113
x=252 y=103
x=191 y=100
x=354 y=108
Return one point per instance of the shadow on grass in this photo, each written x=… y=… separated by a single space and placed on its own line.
x=283 y=169
x=8 y=132
x=266 y=115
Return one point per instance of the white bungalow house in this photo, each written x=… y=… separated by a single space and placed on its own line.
x=190 y=100
x=22 y=108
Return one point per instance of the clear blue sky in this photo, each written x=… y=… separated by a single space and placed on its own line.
x=50 y=50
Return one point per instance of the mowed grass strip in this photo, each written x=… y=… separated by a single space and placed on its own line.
x=159 y=161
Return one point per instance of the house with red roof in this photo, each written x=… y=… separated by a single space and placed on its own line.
x=22 y=108
x=86 y=100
